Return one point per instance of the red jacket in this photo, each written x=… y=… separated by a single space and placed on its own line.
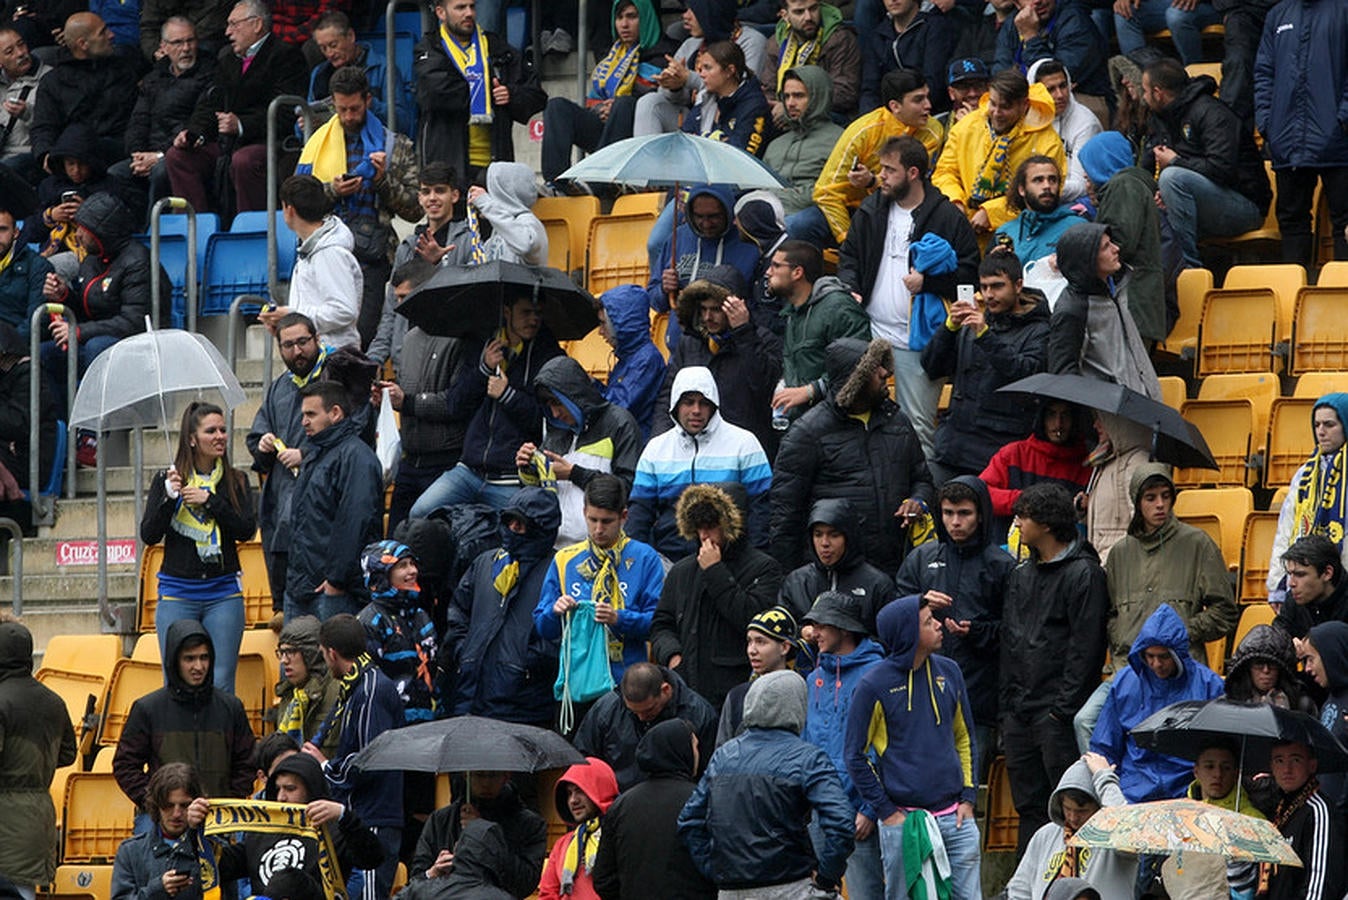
x=601 y=786
x=1030 y=461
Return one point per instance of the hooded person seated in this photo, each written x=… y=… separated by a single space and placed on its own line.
x=1160 y=672
x=762 y=222
x=480 y=855
x=837 y=563
x=1055 y=450
x=1074 y=123
x=506 y=203
x=634 y=380
x=399 y=633
x=744 y=358
x=260 y=854
x=706 y=237
x=583 y=436
x=1087 y=786
x=583 y=794
x=307 y=691
x=1264 y=670
x=78 y=172
x=481 y=797
x=703 y=449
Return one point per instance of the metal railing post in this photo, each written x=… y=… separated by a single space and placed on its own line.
x=16 y=561
x=273 y=151
x=232 y=346
x=42 y=510
x=582 y=47
x=104 y=608
x=175 y=205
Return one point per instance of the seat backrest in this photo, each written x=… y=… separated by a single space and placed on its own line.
x=1227 y=504
x=236 y=263
x=75 y=689
x=151 y=557
x=263 y=641
x=1251 y=615
x=1260 y=388
x=616 y=251
x=1212 y=526
x=1291 y=439
x=1285 y=279
x=252 y=687
x=1191 y=286
x=131 y=680
x=94 y=654
x=98 y=817
x=1320 y=331
x=1333 y=274
x=1237 y=331
x=1256 y=555
x=257 y=598
x=147 y=649
x=1173 y=390
x=574 y=209
x=593 y=353
x=559 y=243
x=1317 y=384
x=1003 y=822
x=1228 y=427
x=645 y=202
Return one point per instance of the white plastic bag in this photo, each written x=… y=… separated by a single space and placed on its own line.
x=387 y=441
x=1043 y=276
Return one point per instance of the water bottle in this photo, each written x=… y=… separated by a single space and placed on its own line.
x=780 y=420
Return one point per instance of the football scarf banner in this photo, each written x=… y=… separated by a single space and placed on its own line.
x=228 y=817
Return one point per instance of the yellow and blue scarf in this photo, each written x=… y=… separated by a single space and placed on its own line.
x=1321 y=505
x=615 y=74
x=194 y=521
x=995 y=176
x=301 y=380
x=472 y=65
x=324 y=154
x=505 y=574
x=601 y=570
x=581 y=852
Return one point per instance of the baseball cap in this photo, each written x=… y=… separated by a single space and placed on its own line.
x=971 y=68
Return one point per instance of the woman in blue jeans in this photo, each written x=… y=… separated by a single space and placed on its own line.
x=201 y=507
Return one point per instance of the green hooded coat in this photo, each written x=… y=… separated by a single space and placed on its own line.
x=799 y=154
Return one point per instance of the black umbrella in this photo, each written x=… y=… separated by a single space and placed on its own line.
x=1182 y=729
x=468 y=744
x=1174 y=439
x=467 y=301
x=16 y=195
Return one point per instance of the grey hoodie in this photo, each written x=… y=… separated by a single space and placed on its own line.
x=517 y=235
x=776 y=700
x=326 y=283
x=799 y=154
x=1110 y=873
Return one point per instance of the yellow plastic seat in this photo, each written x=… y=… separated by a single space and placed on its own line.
x=1228 y=427
x=82 y=881
x=263 y=641
x=253 y=689
x=575 y=210
x=1212 y=527
x=1173 y=391
x=1317 y=384
x=1229 y=505
x=1237 y=331
x=1256 y=552
x=1192 y=285
x=1291 y=440
x=1250 y=616
x=1211 y=69
x=1333 y=274
x=92 y=653
x=57 y=788
x=1320 y=330
x=147 y=649
x=1003 y=822
x=131 y=680
x=82 y=692
x=559 y=243
x=660 y=333
x=1260 y=388
x=1215 y=650
x=1284 y=279
x=98 y=817
x=1279 y=496
x=616 y=251
x=256 y=585
x=593 y=353
x=644 y=203
x=103 y=759
x=151 y=556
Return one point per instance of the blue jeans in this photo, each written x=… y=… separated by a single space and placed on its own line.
x=223 y=621
x=1083 y=723
x=865 y=873
x=961 y=846
x=810 y=225
x=1199 y=207
x=321 y=606
x=461 y=485
x=1186 y=27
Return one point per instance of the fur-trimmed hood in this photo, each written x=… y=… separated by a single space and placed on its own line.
x=716 y=283
x=850 y=362
x=720 y=499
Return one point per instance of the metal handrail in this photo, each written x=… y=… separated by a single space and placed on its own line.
x=391 y=53
x=176 y=205
x=16 y=566
x=42 y=511
x=273 y=152
x=232 y=347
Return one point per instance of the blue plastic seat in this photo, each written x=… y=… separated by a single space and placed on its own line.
x=173 y=255
x=236 y=263
x=286 y=240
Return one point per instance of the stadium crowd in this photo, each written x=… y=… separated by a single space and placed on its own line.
x=724 y=571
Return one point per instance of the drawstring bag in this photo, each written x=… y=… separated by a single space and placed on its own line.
x=584 y=674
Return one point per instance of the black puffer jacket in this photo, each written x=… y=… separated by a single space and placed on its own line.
x=828 y=453
x=974 y=575
x=100 y=93
x=165 y=104
x=1265 y=643
x=200 y=725
x=852 y=574
x=525 y=832
x=1053 y=634
x=111 y=295
x=1209 y=139
x=702 y=613
x=981 y=421
x=641 y=845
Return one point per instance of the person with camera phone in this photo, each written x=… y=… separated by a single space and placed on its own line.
x=163 y=862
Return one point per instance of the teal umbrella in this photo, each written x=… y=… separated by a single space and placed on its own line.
x=669 y=160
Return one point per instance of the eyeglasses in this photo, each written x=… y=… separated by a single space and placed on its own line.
x=287 y=652
x=236 y=23
x=297 y=342
x=180 y=42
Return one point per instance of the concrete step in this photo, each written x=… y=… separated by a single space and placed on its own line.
x=78 y=519
x=67 y=588
x=46 y=620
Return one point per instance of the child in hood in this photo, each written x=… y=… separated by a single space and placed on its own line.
x=399 y=633
x=582 y=796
